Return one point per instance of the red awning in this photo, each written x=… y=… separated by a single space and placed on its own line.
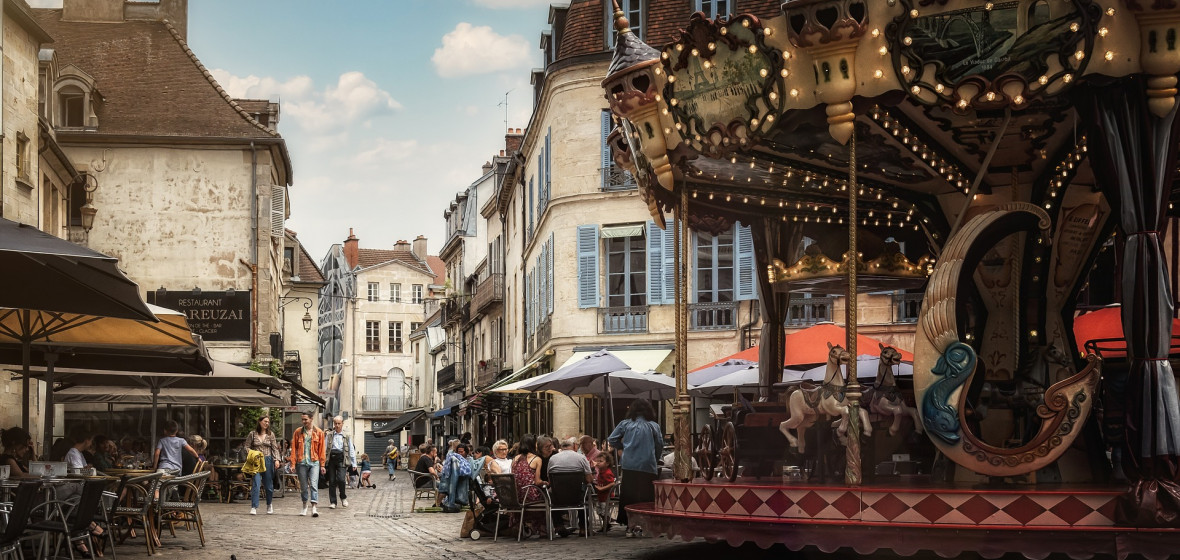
x=810 y=346
x=1103 y=331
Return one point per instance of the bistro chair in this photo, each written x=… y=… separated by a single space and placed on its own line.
x=74 y=526
x=18 y=519
x=180 y=502
x=105 y=514
x=428 y=492
x=568 y=492
x=134 y=508
x=509 y=497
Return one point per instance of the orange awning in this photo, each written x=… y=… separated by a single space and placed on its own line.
x=810 y=346
x=1104 y=329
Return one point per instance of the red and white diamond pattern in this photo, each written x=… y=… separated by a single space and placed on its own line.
x=909 y=506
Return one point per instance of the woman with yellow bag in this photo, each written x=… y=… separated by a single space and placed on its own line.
x=263 y=458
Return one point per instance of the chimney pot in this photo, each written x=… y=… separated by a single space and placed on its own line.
x=352 y=250
x=419 y=249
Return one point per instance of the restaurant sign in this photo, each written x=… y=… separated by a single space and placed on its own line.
x=213 y=315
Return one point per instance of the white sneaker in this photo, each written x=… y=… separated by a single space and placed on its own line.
x=344 y=503
x=314 y=512
x=270 y=510
x=304 y=512
x=332 y=506
x=253 y=511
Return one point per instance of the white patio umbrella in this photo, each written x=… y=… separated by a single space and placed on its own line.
x=574 y=375
x=745 y=377
x=627 y=384
x=707 y=374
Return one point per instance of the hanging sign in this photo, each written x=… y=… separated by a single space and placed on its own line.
x=213 y=315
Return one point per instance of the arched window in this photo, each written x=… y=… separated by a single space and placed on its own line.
x=72 y=101
x=395 y=383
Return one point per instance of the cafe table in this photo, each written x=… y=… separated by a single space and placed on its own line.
x=226 y=472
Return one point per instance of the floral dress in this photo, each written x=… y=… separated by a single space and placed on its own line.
x=526 y=477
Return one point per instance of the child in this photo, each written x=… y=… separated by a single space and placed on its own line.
x=168 y=457
x=366 y=471
x=604 y=482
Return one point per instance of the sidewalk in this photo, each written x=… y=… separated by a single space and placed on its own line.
x=378 y=522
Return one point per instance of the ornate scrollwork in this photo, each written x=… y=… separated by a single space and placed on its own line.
x=819 y=22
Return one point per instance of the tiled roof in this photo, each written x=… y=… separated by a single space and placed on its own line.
x=308 y=270
x=150 y=81
x=374 y=257
x=253 y=105
x=665 y=18
x=440 y=269
x=584 y=26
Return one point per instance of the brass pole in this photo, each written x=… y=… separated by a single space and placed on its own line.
x=682 y=467
x=852 y=469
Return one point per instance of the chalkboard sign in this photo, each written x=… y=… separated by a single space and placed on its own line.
x=213 y=315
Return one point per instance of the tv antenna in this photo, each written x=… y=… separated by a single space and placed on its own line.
x=504 y=104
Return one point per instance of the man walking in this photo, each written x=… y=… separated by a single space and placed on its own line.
x=307 y=454
x=341 y=456
x=390 y=458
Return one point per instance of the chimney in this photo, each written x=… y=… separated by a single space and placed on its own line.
x=401 y=245
x=487 y=167
x=118 y=11
x=420 y=248
x=352 y=251
x=513 y=139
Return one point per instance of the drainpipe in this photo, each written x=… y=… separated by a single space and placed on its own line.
x=253 y=264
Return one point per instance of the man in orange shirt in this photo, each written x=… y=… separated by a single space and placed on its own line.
x=307 y=454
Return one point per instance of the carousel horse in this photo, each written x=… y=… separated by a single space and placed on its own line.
x=808 y=402
x=884 y=398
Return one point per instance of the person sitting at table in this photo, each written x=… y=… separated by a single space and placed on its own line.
x=74 y=455
x=57 y=451
x=103 y=451
x=167 y=458
x=18 y=447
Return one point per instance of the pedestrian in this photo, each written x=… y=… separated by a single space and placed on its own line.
x=264 y=441
x=640 y=441
x=168 y=457
x=390 y=458
x=307 y=454
x=341 y=457
x=604 y=483
x=366 y=472
x=456 y=478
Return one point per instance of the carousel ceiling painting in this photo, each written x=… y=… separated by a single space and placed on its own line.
x=983 y=151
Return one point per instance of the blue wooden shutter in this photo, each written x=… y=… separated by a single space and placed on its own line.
x=587 y=266
x=669 y=236
x=552 y=248
x=606 y=128
x=746 y=283
x=544 y=291
x=531 y=206
x=655 y=264
x=548 y=165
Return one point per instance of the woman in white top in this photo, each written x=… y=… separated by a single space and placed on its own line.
x=500 y=463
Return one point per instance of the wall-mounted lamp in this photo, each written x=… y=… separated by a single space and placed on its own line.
x=230 y=292
x=160 y=293
x=307 y=320
x=89 y=184
x=196 y=290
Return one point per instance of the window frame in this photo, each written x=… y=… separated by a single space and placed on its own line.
x=628 y=251
x=394 y=332
x=372 y=336
x=714 y=267
x=709 y=7
x=395 y=292
x=634 y=11
x=373 y=291
x=418 y=293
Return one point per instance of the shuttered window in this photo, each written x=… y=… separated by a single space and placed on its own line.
x=278 y=209
x=715 y=272
x=552 y=248
x=606 y=126
x=747 y=284
x=587 y=250
x=626 y=272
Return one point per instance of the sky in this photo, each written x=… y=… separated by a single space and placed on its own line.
x=389 y=107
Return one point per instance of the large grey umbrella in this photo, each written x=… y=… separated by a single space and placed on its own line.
x=580 y=373
x=745 y=377
x=626 y=383
x=229 y=385
x=707 y=374
x=866 y=368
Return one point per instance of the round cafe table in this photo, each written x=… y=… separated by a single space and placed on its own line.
x=226 y=472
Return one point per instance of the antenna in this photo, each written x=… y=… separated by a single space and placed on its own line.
x=504 y=104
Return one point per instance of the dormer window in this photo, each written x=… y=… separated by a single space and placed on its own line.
x=633 y=10
x=74 y=96
x=73 y=107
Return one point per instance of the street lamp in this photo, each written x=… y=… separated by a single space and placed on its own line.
x=284 y=300
x=89 y=184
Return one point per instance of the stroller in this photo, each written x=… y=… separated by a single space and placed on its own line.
x=483 y=513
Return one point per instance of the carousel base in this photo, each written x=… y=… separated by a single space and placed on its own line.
x=948 y=521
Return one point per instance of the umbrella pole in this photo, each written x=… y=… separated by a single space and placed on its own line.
x=26 y=358
x=610 y=404
x=50 y=358
x=155 y=401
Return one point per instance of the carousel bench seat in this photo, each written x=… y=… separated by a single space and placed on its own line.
x=764 y=419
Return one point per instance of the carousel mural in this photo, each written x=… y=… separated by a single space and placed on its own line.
x=983 y=151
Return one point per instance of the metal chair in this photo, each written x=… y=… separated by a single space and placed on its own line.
x=105 y=515
x=18 y=519
x=428 y=492
x=180 y=502
x=568 y=492
x=508 y=495
x=135 y=506
x=74 y=525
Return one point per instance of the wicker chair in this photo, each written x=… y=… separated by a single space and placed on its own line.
x=426 y=492
x=180 y=502
x=135 y=508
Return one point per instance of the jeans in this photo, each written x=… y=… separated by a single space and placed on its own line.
x=391 y=466
x=265 y=480
x=309 y=481
x=337 y=477
x=457 y=490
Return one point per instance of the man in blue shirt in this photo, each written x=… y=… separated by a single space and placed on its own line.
x=341 y=456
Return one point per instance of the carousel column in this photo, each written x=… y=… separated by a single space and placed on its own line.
x=852 y=470
x=682 y=466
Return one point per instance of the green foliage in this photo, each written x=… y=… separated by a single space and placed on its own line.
x=248 y=419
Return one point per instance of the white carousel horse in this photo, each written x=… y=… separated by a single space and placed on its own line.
x=807 y=403
x=885 y=398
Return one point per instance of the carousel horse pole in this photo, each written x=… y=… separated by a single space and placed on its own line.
x=807 y=403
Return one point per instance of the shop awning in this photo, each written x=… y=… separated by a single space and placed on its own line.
x=629 y=230
x=400 y=423
x=516 y=376
x=445 y=411
x=301 y=394
x=647 y=359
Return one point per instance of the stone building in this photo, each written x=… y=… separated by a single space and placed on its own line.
x=372 y=300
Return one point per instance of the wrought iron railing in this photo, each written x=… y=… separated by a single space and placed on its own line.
x=383 y=404
x=487 y=371
x=544 y=332
x=615 y=178
x=713 y=316
x=906 y=307
x=489 y=291
x=622 y=320
x=809 y=311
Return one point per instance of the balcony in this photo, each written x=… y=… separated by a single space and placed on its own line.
x=544 y=332
x=716 y=316
x=809 y=311
x=622 y=320
x=455 y=312
x=488 y=370
x=488 y=293
x=906 y=307
x=614 y=178
x=383 y=404
x=449 y=376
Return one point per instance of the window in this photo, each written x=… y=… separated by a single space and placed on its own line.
x=633 y=10
x=395 y=337
x=415 y=326
x=416 y=293
x=374 y=291
x=626 y=272
x=73 y=107
x=395 y=292
x=417 y=357
x=289 y=261
x=714 y=8
x=714 y=274
x=373 y=387
x=22 y=156
x=372 y=336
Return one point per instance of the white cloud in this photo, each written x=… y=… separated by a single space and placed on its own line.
x=469 y=50
x=382 y=151
x=512 y=4
x=353 y=101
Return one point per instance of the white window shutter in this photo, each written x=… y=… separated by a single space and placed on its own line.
x=552 y=248
x=587 y=243
x=746 y=282
x=278 y=209
x=606 y=159
x=655 y=264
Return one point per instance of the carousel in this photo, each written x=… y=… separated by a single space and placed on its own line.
x=981 y=151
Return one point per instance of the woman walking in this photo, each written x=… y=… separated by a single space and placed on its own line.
x=640 y=440
x=263 y=440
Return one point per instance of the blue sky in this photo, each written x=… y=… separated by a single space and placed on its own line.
x=389 y=107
